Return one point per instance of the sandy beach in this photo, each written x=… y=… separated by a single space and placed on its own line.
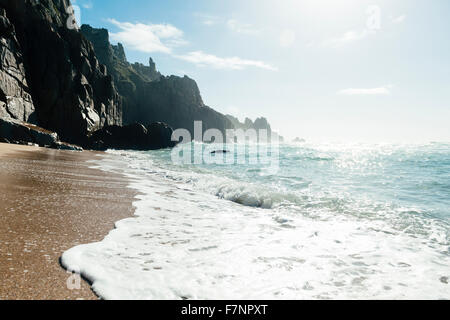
x=51 y=201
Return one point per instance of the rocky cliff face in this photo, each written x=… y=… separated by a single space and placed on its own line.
x=50 y=74
x=262 y=124
x=177 y=101
x=73 y=82
x=150 y=97
x=15 y=98
x=149 y=71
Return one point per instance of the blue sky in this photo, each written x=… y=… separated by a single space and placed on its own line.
x=348 y=70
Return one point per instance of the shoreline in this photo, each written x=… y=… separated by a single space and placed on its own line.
x=51 y=201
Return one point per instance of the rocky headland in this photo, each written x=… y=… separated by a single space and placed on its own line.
x=60 y=82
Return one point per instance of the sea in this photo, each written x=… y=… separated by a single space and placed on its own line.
x=312 y=221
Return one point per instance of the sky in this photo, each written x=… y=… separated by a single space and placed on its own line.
x=323 y=70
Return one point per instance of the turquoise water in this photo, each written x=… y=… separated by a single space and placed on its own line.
x=414 y=178
x=317 y=221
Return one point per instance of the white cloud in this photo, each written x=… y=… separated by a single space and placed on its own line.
x=244 y=28
x=209 y=22
x=232 y=24
x=234 y=63
x=87 y=5
x=373 y=91
x=148 y=38
x=207 y=19
x=287 y=38
x=163 y=38
x=353 y=35
x=399 y=19
x=346 y=38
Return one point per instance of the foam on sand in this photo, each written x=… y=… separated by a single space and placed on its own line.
x=185 y=243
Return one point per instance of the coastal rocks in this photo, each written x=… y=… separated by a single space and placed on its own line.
x=71 y=92
x=14 y=131
x=149 y=71
x=15 y=99
x=19 y=132
x=73 y=82
x=262 y=124
x=161 y=135
x=135 y=136
x=119 y=50
x=127 y=80
x=259 y=124
x=65 y=146
x=177 y=101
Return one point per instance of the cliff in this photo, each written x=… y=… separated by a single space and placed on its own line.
x=149 y=96
x=72 y=82
x=49 y=73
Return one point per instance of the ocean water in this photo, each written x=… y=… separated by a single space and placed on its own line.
x=334 y=221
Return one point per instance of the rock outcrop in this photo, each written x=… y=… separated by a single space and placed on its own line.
x=73 y=82
x=262 y=124
x=259 y=124
x=53 y=76
x=19 y=132
x=135 y=136
x=15 y=131
x=149 y=71
x=15 y=98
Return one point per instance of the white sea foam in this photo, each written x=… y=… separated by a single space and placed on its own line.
x=188 y=241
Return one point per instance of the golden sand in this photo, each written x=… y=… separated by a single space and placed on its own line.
x=51 y=201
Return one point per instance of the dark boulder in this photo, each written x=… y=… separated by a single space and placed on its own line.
x=134 y=136
x=15 y=97
x=19 y=132
x=220 y=152
x=161 y=135
x=14 y=131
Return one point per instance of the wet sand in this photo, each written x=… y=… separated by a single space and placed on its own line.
x=51 y=201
